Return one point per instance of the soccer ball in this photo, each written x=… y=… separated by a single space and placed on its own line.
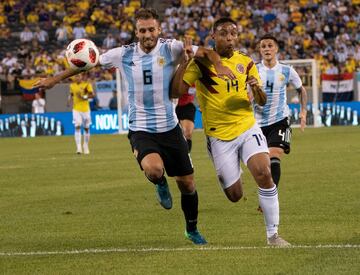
x=82 y=54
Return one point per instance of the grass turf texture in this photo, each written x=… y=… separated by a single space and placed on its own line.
x=54 y=200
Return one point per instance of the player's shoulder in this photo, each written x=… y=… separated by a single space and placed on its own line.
x=171 y=42
x=126 y=49
x=288 y=68
x=128 y=46
x=284 y=65
x=243 y=57
x=240 y=52
x=166 y=40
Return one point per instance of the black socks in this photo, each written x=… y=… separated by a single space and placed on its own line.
x=189 y=205
x=275 y=170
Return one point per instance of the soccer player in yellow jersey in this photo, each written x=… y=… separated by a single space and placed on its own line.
x=229 y=124
x=80 y=92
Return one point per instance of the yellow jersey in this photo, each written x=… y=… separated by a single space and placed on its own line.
x=77 y=91
x=225 y=105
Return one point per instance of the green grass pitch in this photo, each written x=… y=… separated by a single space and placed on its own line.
x=55 y=206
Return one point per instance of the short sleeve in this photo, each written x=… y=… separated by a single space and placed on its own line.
x=295 y=79
x=112 y=58
x=177 y=47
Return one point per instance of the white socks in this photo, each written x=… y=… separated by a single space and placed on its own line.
x=86 y=138
x=78 y=138
x=269 y=203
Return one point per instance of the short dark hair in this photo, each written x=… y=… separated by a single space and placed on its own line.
x=146 y=13
x=222 y=21
x=269 y=36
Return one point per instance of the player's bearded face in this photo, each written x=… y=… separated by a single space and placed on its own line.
x=147 y=31
x=268 y=49
x=225 y=37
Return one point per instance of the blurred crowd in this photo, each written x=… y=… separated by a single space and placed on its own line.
x=34 y=34
x=328 y=31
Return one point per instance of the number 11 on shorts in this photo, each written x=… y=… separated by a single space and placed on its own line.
x=259 y=138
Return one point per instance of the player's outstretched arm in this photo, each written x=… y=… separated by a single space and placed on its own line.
x=257 y=92
x=48 y=83
x=303 y=102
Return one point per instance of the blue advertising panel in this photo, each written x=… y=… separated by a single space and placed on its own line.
x=338 y=113
x=57 y=124
x=106 y=122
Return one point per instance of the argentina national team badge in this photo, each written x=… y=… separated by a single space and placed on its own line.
x=240 y=68
x=161 y=61
x=281 y=77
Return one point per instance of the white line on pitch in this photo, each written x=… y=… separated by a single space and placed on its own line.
x=154 y=249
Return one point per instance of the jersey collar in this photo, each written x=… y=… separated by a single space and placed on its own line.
x=154 y=50
x=267 y=68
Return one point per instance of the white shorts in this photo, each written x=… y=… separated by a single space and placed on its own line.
x=226 y=155
x=81 y=119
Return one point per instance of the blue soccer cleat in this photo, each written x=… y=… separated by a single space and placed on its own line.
x=163 y=195
x=195 y=237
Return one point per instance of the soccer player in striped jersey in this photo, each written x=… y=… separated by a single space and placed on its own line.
x=155 y=136
x=273 y=117
x=229 y=124
x=80 y=92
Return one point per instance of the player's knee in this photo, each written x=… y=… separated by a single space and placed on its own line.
x=186 y=184
x=234 y=197
x=187 y=134
x=263 y=177
x=234 y=193
x=154 y=171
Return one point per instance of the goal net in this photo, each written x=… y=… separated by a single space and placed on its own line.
x=309 y=74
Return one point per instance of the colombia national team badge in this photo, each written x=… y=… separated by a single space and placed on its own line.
x=161 y=61
x=240 y=68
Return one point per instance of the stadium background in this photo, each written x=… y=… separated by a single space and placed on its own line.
x=63 y=213
x=34 y=35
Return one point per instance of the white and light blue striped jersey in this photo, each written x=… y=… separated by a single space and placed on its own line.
x=274 y=82
x=146 y=78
